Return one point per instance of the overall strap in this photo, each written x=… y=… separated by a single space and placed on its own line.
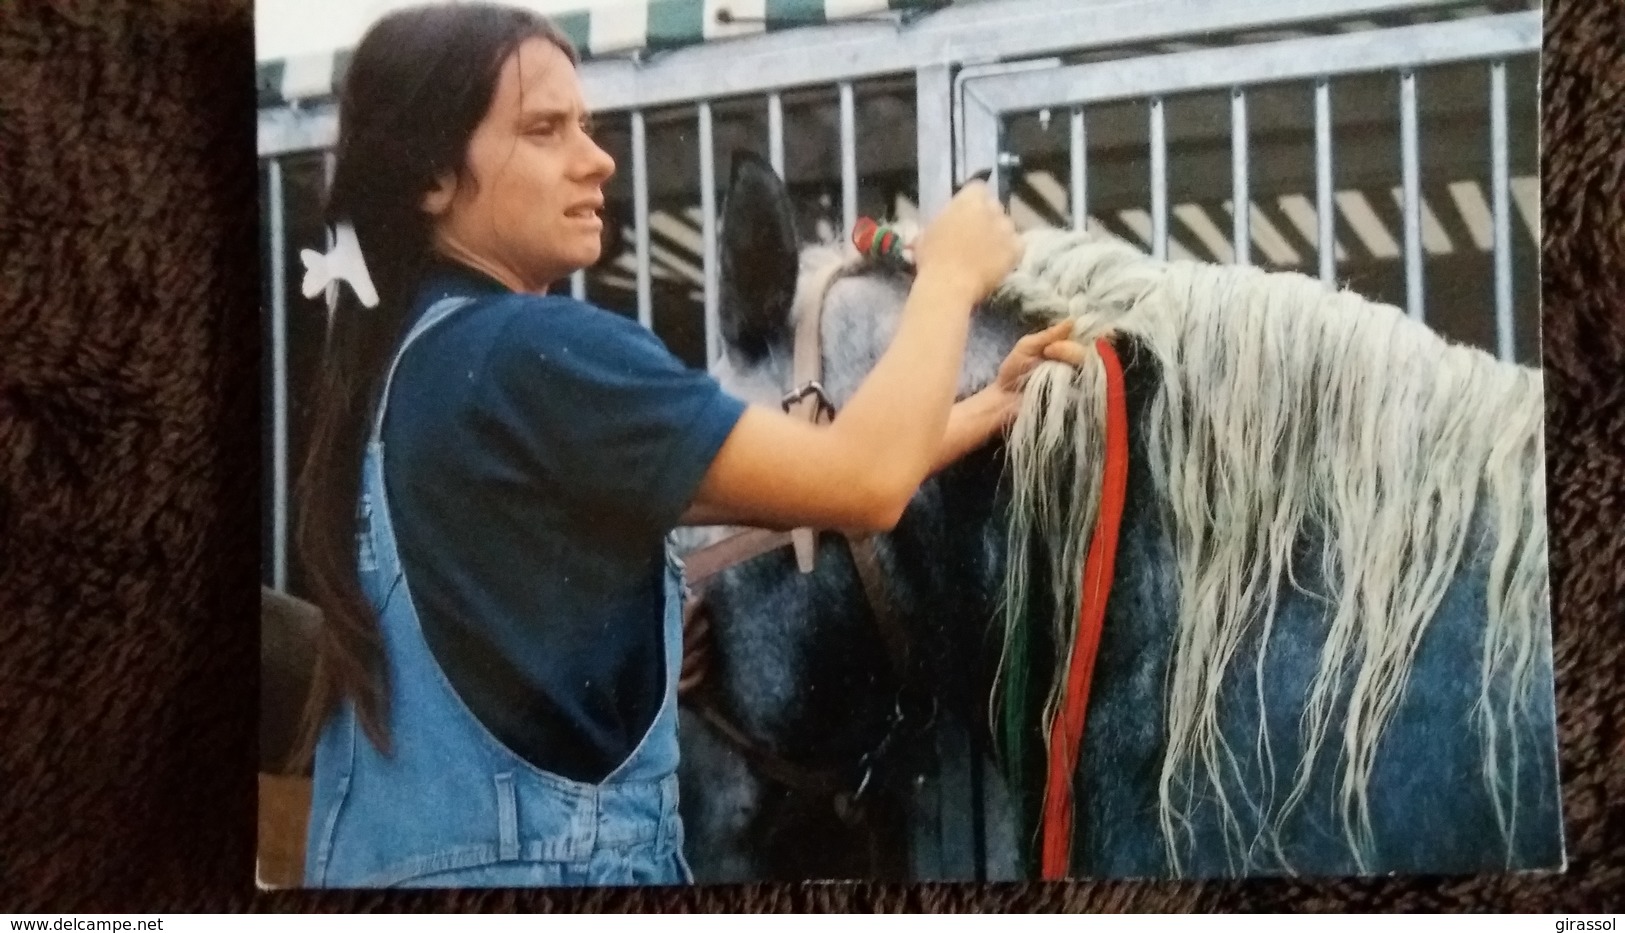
x=437 y=312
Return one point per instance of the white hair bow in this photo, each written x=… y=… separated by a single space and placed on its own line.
x=342 y=263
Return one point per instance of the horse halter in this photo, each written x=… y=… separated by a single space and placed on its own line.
x=807 y=399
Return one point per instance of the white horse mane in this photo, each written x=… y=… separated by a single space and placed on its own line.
x=1285 y=407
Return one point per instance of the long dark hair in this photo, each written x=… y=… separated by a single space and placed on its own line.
x=419 y=83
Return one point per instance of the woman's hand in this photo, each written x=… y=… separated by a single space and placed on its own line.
x=1053 y=344
x=976 y=420
x=971 y=246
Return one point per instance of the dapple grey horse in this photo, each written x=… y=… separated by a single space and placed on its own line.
x=798 y=667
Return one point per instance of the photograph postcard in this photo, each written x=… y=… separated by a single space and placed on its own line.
x=715 y=441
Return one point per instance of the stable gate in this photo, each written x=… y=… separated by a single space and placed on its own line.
x=1385 y=144
x=1396 y=55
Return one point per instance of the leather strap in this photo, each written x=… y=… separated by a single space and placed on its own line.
x=737 y=548
x=862 y=548
x=825 y=782
x=807 y=372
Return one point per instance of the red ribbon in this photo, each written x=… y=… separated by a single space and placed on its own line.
x=876 y=241
x=1066 y=732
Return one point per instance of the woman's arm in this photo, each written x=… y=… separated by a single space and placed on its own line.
x=974 y=421
x=969 y=424
x=860 y=471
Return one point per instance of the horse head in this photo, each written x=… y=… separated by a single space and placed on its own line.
x=800 y=661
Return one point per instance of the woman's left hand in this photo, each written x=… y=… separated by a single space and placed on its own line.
x=1053 y=344
x=978 y=419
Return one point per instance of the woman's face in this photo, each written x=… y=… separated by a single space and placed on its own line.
x=528 y=210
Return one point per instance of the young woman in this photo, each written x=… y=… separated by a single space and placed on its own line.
x=495 y=699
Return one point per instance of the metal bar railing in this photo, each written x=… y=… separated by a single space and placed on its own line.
x=640 y=216
x=1241 y=234
x=1007 y=30
x=934 y=127
x=1374 y=52
x=1159 y=179
x=1079 y=187
x=1500 y=187
x=1325 y=240
x=279 y=375
x=1410 y=165
x=708 y=232
x=849 y=159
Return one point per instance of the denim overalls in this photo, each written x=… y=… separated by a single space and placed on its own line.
x=454 y=807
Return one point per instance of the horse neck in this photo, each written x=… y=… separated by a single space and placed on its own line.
x=947 y=557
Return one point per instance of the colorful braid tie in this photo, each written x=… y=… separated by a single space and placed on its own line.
x=878 y=241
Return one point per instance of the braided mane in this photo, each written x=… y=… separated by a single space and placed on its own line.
x=1286 y=412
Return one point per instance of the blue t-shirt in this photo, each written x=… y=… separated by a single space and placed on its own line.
x=539 y=449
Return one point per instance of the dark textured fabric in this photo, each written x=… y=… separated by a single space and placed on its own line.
x=129 y=504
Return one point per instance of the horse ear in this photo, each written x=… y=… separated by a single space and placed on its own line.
x=759 y=258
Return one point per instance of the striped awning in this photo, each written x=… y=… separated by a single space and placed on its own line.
x=610 y=29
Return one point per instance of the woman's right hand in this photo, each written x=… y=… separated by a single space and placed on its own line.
x=972 y=243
